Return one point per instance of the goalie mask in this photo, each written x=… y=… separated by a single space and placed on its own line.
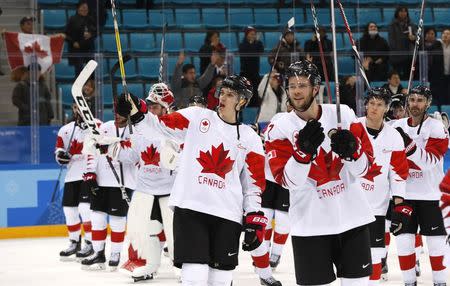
x=161 y=94
x=241 y=85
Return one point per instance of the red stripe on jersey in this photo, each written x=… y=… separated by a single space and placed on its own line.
x=445 y=184
x=399 y=164
x=278 y=151
x=437 y=263
x=359 y=131
x=437 y=146
x=117 y=236
x=255 y=163
x=59 y=142
x=175 y=121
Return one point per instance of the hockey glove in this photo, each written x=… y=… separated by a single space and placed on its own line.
x=410 y=145
x=62 y=157
x=400 y=216
x=344 y=143
x=308 y=140
x=254 y=227
x=135 y=109
x=90 y=179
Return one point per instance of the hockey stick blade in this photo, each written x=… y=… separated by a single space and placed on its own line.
x=291 y=22
x=80 y=101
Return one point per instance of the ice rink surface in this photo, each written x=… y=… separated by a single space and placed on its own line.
x=36 y=262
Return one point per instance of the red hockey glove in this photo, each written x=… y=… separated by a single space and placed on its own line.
x=308 y=140
x=62 y=157
x=410 y=145
x=254 y=227
x=345 y=144
x=400 y=216
x=90 y=179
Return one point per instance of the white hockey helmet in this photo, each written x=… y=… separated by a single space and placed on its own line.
x=161 y=94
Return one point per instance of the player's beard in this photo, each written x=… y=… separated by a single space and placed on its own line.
x=303 y=107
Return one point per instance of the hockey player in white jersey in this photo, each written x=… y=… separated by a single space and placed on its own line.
x=386 y=177
x=107 y=197
x=426 y=141
x=69 y=144
x=149 y=212
x=445 y=207
x=220 y=178
x=329 y=213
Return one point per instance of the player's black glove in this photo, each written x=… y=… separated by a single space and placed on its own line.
x=90 y=179
x=62 y=157
x=410 y=145
x=344 y=143
x=400 y=216
x=254 y=228
x=124 y=108
x=308 y=140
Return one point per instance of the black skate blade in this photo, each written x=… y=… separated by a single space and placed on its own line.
x=142 y=278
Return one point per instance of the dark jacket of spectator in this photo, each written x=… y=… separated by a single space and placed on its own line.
x=21 y=99
x=212 y=44
x=377 y=48
x=312 y=47
x=286 y=49
x=347 y=90
x=393 y=92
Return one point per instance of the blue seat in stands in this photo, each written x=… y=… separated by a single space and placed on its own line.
x=49 y=2
x=240 y=17
x=109 y=20
x=414 y=15
x=214 y=18
x=349 y=14
x=173 y=42
x=323 y=17
x=432 y=109
x=366 y=15
x=441 y=17
x=135 y=19
x=109 y=42
x=264 y=66
x=135 y=88
x=236 y=64
x=187 y=18
x=66 y=94
x=55 y=19
x=346 y=66
x=193 y=41
x=108 y=114
x=130 y=69
x=157 y=18
x=445 y=108
x=287 y=13
x=266 y=18
x=142 y=42
x=249 y=115
x=271 y=40
x=149 y=67
x=64 y=72
x=229 y=40
x=108 y=94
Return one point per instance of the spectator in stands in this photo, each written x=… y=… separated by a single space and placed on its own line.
x=313 y=53
x=212 y=43
x=250 y=50
x=211 y=100
x=375 y=49
x=80 y=35
x=89 y=93
x=26 y=25
x=275 y=98
x=288 y=49
x=393 y=84
x=97 y=11
x=347 y=92
x=439 y=70
x=220 y=66
x=401 y=41
x=21 y=97
x=185 y=83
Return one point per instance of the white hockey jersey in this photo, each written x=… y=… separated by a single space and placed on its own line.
x=77 y=164
x=99 y=164
x=144 y=149
x=325 y=195
x=426 y=163
x=389 y=170
x=218 y=174
x=267 y=171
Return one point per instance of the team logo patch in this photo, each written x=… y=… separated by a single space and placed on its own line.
x=204 y=125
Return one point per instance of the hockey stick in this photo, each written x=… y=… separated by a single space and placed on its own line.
x=289 y=25
x=161 y=55
x=416 y=46
x=336 y=79
x=352 y=42
x=322 y=56
x=86 y=114
x=119 y=53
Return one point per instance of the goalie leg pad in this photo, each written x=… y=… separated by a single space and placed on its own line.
x=167 y=217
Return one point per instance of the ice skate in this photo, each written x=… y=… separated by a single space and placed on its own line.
x=274 y=260
x=114 y=260
x=67 y=254
x=86 y=251
x=270 y=281
x=94 y=262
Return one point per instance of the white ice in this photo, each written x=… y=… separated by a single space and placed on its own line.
x=36 y=262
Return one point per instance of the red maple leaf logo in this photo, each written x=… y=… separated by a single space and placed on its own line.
x=216 y=161
x=126 y=143
x=205 y=123
x=324 y=168
x=36 y=48
x=413 y=165
x=255 y=163
x=373 y=171
x=150 y=156
x=76 y=147
x=175 y=121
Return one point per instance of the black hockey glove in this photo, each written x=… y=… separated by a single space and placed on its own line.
x=410 y=145
x=308 y=140
x=62 y=157
x=90 y=179
x=400 y=216
x=124 y=108
x=254 y=228
x=344 y=143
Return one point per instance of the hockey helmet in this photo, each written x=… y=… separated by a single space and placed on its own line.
x=304 y=68
x=161 y=94
x=421 y=90
x=197 y=99
x=239 y=84
x=380 y=93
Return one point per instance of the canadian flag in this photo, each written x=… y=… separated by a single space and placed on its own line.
x=20 y=48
